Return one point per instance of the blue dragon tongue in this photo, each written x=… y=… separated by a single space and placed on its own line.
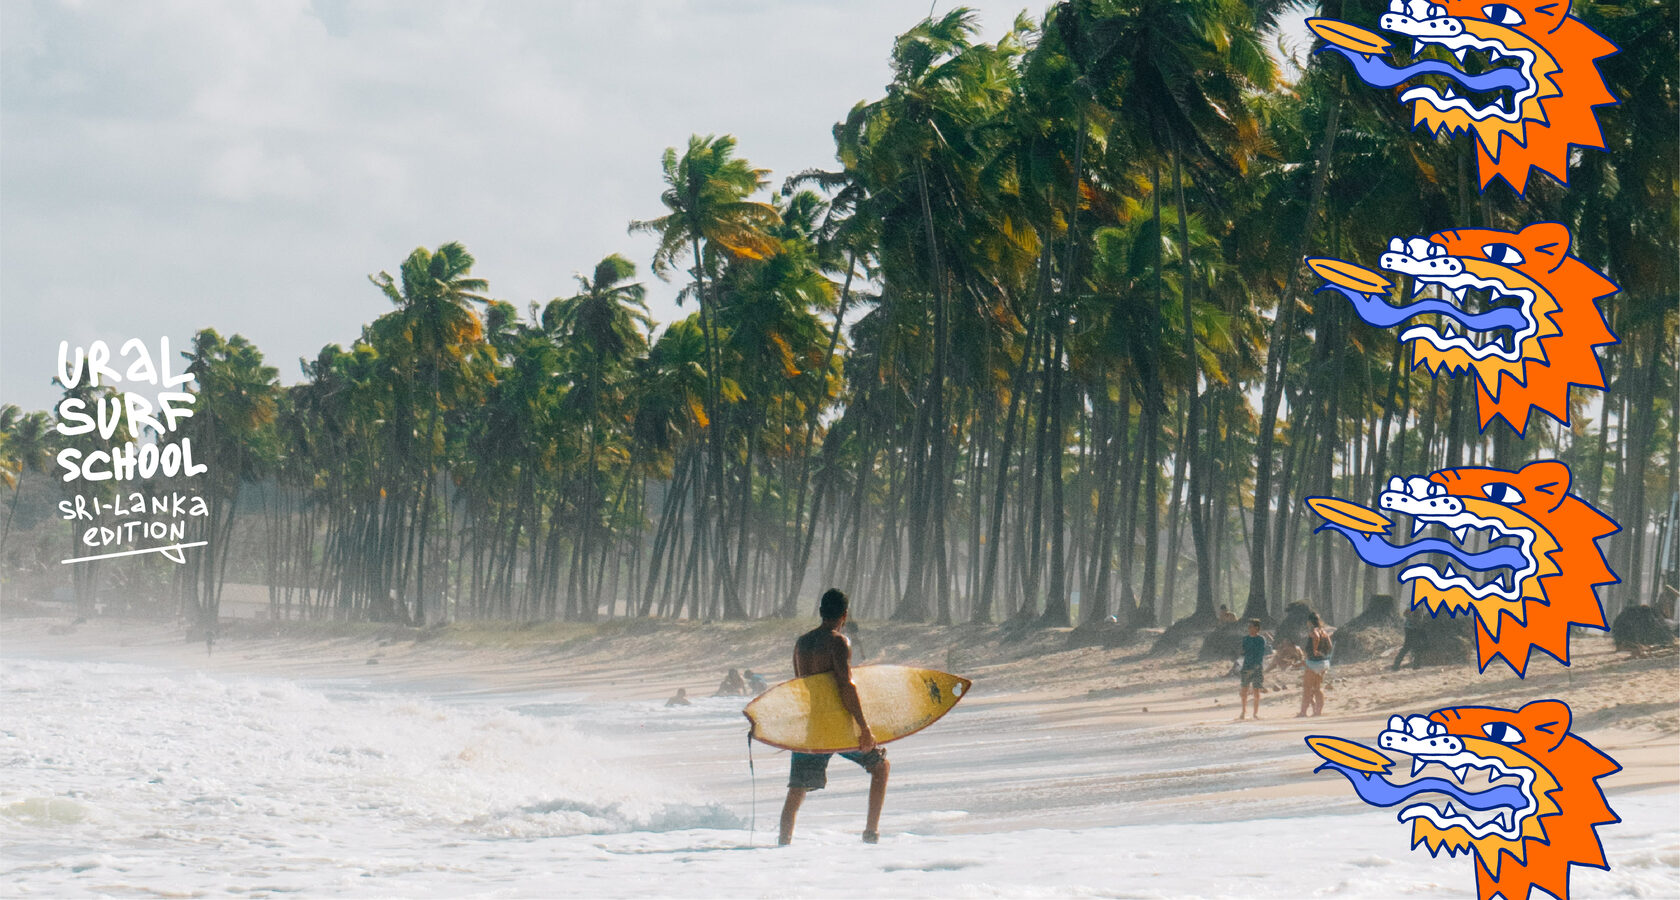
x=1373 y=550
x=1377 y=72
x=1374 y=790
x=1382 y=314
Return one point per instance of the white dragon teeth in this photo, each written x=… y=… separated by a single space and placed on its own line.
x=1417 y=764
x=1449 y=811
x=1448 y=571
x=1460 y=53
x=1462 y=773
x=1458 y=294
x=1460 y=532
x=1417 y=526
x=1505 y=819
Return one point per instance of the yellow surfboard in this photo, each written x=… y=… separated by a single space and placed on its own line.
x=805 y=714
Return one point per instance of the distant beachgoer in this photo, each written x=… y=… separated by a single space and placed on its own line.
x=1253 y=669
x=1226 y=617
x=1414 y=639
x=732 y=686
x=679 y=699
x=756 y=684
x=825 y=649
x=1286 y=655
x=1317 y=651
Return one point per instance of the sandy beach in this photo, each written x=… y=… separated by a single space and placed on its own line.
x=1053 y=746
x=1630 y=708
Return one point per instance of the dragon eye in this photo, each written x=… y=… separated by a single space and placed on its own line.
x=1500 y=492
x=1503 y=253
x=1503 y=732
x=1500 y=14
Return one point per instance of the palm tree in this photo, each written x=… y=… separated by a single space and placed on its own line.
x=434 y=296
x=26 y=442
x=602 y=327
x=710 y=217
x=1190 y=66
x=231 y=425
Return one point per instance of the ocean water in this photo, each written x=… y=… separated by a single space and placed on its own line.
x=131 y=781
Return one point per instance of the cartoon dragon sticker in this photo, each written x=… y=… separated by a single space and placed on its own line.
x=1522 y=76
x=1525 y=550
x=1516 y=311
x=1518 y=791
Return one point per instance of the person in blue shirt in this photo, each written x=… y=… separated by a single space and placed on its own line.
x=1254 y=648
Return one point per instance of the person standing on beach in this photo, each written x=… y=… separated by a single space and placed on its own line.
x=1413 y=639
x=826 y=649
x=1253 y=669
x=1317 y=650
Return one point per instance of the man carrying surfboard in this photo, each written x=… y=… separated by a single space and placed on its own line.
x=826 y=649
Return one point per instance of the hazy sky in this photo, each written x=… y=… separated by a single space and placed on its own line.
x=167 y=166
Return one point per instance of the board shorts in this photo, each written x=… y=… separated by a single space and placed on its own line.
x=810 y=770
x=1254 y=677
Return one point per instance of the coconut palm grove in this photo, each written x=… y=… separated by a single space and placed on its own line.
x=1036 y=346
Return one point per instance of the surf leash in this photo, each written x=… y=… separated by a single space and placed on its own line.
x=752 y=775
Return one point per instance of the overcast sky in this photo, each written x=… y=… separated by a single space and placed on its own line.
x=167 y=166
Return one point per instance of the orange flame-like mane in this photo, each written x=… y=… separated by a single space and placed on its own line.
x=1563 y=112
x=1565 y=596
x=1563 y=353
x=1570 y=835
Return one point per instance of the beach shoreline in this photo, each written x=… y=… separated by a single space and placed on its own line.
x=1626 y=706
x=355 y=759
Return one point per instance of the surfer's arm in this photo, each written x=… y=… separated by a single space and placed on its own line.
x=842 y=654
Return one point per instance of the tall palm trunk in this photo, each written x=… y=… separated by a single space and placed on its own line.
x=803 y=558
x=1277 y=357
x=714 y=426
x=1194 y=462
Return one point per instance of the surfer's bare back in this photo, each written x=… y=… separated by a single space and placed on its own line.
x=826 y=649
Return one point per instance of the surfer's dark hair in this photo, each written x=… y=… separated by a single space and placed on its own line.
x=1254 y=623
x=834 y=604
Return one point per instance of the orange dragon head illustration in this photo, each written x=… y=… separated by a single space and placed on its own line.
x=1523 y=559
x=1515 y=310
x=1517 y=790
x=1521 y=76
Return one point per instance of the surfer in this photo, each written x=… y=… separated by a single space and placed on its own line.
x=826 y=649
x=1253 y=669
x=680 y=698
x=732 y=685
